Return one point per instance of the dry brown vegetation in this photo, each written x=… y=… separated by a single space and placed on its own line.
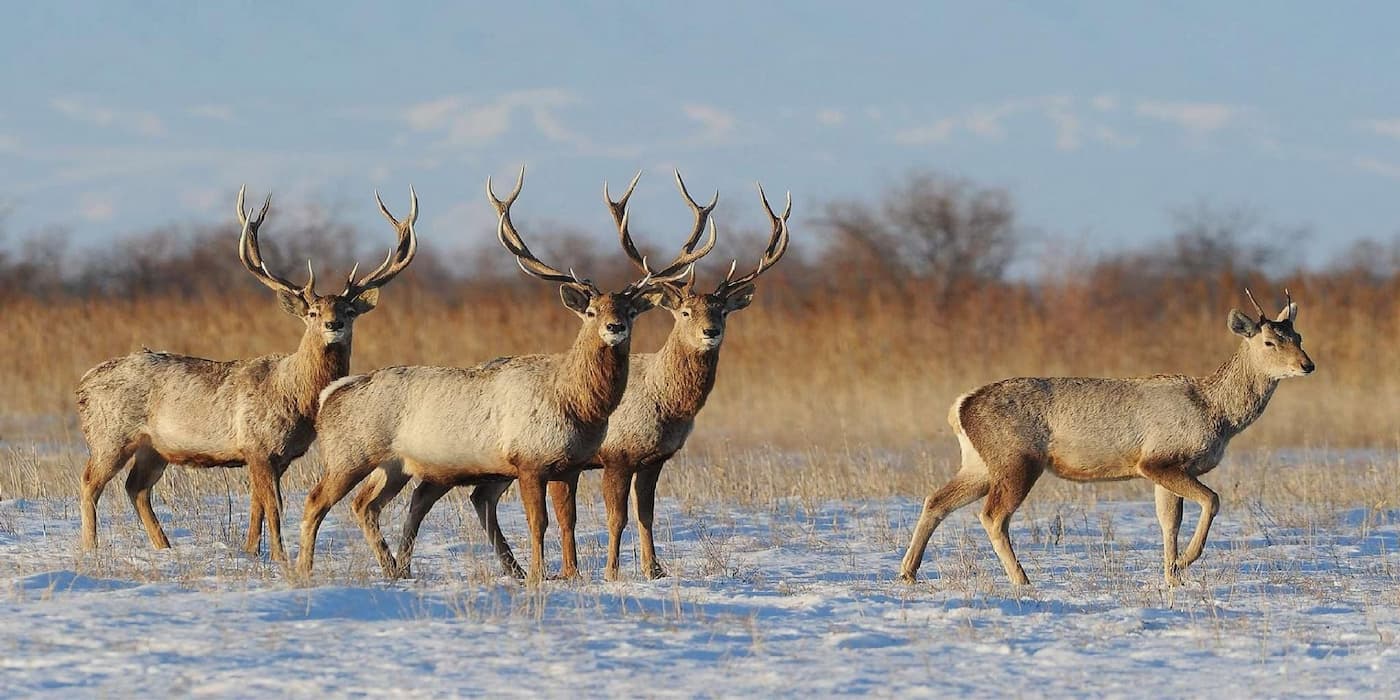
x=835 y=382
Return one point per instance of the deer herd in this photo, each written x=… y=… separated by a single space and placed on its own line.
x=541 y=420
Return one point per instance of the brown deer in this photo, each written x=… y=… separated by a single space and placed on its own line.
x=666 y=391
x=530 y=417
x=155 y=408
x=1168 y=429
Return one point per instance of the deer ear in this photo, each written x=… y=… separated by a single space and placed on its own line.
x=292 y=303
x=652 y=297
x=739 y=298
x=574 y=298
x=1242 y=325
x=1288 y=314
x=366 y=301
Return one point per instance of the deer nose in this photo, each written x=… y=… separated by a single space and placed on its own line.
x=334 y=325
x=617 y=327
x=1308 y=366
x=711 y=332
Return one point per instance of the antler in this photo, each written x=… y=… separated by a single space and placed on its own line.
x=399 y=256
x=251 y=256
x=681 y=265
x=1262 y=315
x=777 y=246
x=510 y=238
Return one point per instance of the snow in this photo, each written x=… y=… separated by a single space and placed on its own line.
x=775 y=600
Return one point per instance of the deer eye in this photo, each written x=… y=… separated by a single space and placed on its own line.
x=590 y=313
x=1268 y=343
x=685 y=314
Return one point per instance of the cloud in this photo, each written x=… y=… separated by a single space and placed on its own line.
x=1104 y=103
x=1112 y=137
x=84 y=110
x=1196 y=117
x=473 y=123
x=831 y=117
x=1383 y=127
x=716 y=125
x=94 y=206
x=222 y=113
x=937 y=132
x=1060 y=113
x=1378 y=167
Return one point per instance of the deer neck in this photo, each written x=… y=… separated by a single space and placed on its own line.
x=303 y=374
x=680 y=378
x=592 y=376
x=1238 y=392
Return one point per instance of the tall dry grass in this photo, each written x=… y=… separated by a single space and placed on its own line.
x=803 y=367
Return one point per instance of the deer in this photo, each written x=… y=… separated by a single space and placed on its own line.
x=1168 y=429
x=665 y=392
x=527 y=418
x=151 y=409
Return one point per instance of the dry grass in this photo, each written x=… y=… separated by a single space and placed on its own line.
x=823 y=393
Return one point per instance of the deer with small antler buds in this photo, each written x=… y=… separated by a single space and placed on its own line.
x=155 y=408
x=1168 y=429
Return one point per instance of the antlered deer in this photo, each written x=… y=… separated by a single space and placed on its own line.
x=666 y=391
x=530 y=417
x=157 y=408
x=1169 y=429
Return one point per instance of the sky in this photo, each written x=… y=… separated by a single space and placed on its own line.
x=1098 y=118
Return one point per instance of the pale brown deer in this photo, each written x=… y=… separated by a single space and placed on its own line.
x=666 y=391
x=156 y=408
x=530 y=417
x=1168 y=429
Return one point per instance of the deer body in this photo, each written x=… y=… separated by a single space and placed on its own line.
x=154 y=408
x=1168 y=429
x=529 y=418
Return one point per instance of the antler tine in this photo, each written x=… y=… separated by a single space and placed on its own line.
x=777 y=245
x=619 y=212
x=682 y=264
x=251 y=255
x=1288 y=297
x=399 y=256
x=701 y=213
x=1247 y=293
x=511 y=240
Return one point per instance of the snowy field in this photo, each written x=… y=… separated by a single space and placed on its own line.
x=783 y=600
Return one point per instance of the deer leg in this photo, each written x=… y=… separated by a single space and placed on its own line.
x=485 y=498
x=564 y=493
x=532 y=489
x=965 y=487
x=644 y=494
x=1003 y=498
x=146 y=470
x=262 y=475
x=1175 y=479
x=1169 y=517
x=102 y=466
x=425 y=495
x=379 y=489
x=617 y=481
x=326 y=493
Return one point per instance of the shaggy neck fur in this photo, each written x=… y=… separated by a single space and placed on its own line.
x=1238 y=392
x=680 y=378
x=301 y=376
x=592 y=376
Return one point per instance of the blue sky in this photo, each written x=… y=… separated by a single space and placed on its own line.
x=1098 y=117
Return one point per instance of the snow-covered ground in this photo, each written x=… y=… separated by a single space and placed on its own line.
x=784 y=600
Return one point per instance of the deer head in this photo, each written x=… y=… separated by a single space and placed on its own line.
x=610 y=314
x=700 y=317
x=332 y=316
x=1273 y=345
